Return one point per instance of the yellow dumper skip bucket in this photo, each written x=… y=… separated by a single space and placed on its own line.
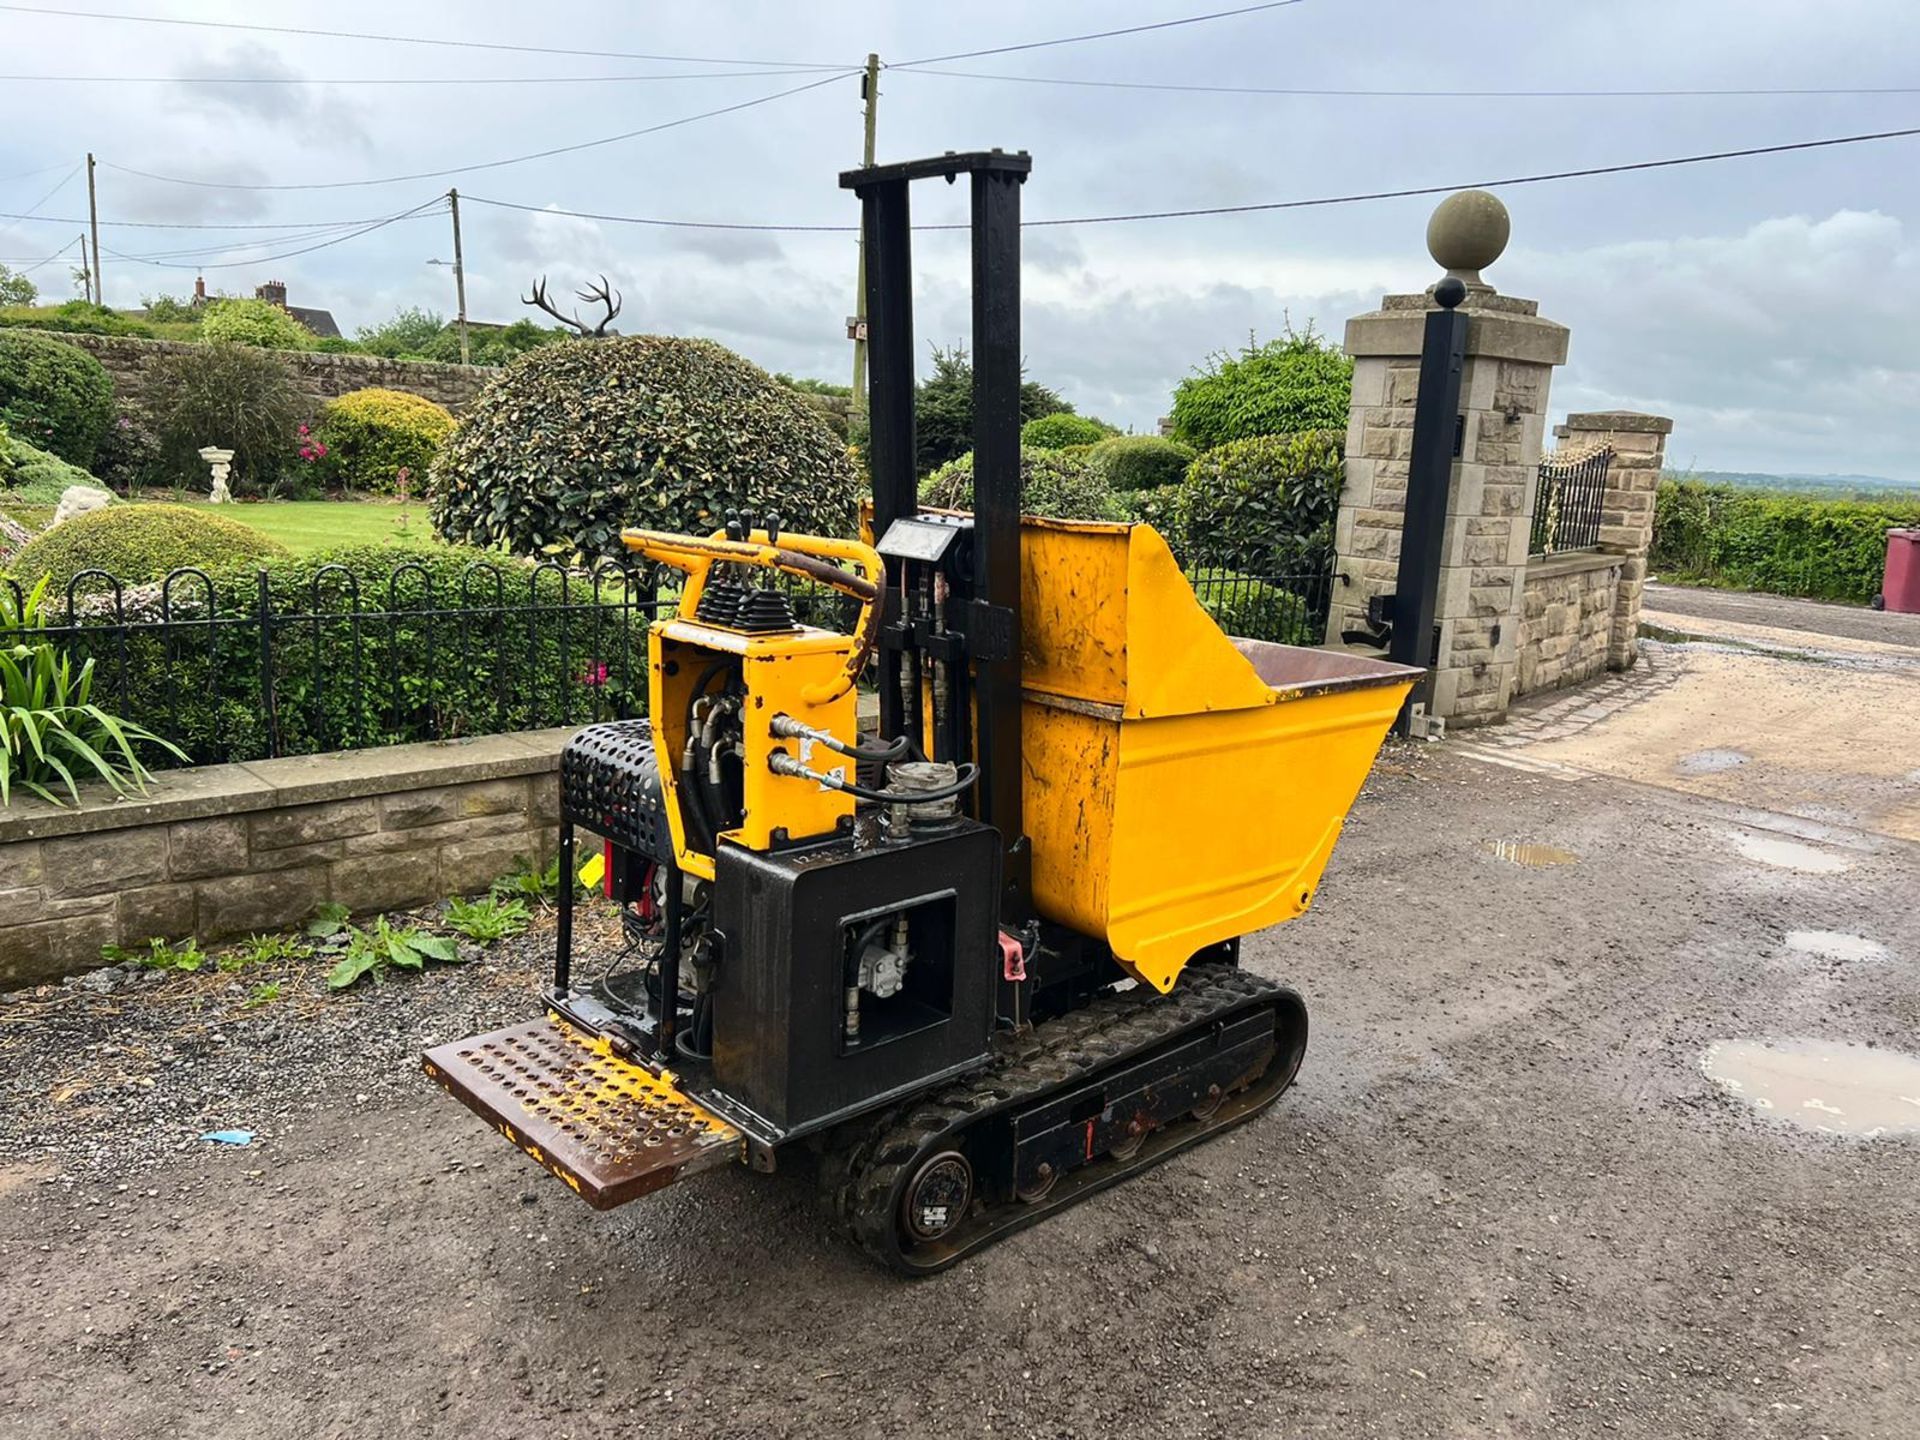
x=1182 y=787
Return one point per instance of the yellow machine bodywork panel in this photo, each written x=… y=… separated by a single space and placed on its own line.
x=778 y=671
x=1181 y=788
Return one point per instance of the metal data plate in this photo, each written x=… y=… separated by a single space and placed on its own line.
x=610 y=1129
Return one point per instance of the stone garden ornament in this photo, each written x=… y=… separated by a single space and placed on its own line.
x=222 y=463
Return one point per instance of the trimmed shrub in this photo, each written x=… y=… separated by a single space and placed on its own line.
x=255 y=323
x=54 y=395
x=1782 y=544
x=38 y=478
x=238 y=398
x=1142 y=462
x=138 y=543
x=1058 y=431
x=370 y=435
x=1262 y=506
x=1252 y=609
x=344 y=683
x=1298 y=382
x=572 y=442
x=1053 y=483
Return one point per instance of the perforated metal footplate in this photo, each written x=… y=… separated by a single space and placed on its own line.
x=610 y=1129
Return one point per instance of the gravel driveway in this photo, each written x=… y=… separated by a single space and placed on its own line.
x=1504 y=1199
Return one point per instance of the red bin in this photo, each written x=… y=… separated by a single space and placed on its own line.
x=1900 y=587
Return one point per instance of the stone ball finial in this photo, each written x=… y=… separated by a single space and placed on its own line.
x=1468 y=231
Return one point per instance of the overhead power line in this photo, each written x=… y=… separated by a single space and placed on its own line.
x=1319 y=201
x=190 y=224
x=1095 y=35
x=50 y=259
x=488 y=164
x=1318 y=92
x=311 y=33
x=413 y=79
x=422 y=208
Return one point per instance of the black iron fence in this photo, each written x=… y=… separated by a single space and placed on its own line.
x=1572 y=492
x=1289 y=609
x=243 y=666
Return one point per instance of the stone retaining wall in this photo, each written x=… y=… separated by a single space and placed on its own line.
x=1566 y=623
x=132 y=361
x=226 y=850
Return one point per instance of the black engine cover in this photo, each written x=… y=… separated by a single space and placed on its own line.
x=792 y=924
x=610 y=785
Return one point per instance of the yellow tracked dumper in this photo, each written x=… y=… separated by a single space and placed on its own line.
x=983 y=960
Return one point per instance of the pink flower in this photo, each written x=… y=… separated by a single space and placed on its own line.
x=304 y=430
x=596 y=673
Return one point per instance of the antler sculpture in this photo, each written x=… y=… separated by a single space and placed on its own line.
x=602 y=294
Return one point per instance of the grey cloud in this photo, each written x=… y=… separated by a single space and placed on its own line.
x=309 y=111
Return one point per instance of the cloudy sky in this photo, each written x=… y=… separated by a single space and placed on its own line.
x=1771 y=305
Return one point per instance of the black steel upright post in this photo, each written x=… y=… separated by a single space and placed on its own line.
x=1436 y=422
x=996 y=520
x=886 y=220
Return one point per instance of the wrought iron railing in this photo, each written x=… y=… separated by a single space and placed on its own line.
x=1571 y=496
x=1289 y=608
x=244 y=666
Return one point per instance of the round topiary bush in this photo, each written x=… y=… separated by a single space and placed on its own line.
x=54 y=395
x=255 y=323
x=1298 y=382
x=140 y=543
x=573 y=442
x=371 y=435
x=1060 y=486
x=1142 y=462
x=1057 y=432
x=1262 y=506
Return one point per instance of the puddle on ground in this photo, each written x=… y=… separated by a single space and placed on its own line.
x=1834 y=945
x=1710 y=762
x=1534 y=857
x=1822 y=1085
x=1789 y=854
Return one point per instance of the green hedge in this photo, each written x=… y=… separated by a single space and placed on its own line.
x=139 y=543
x=1263 y=506
x=1142 y=462
x=407 y=668
x=1058 y=484
x=1298 y=382
x=54 y=395
x=1252 y=609
x=1058 y=431
x=1783 y=544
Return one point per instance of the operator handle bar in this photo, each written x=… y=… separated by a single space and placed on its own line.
x=807 y=557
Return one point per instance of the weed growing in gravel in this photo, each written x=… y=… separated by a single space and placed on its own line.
x=261 y=995
x=328 y=920
x=371 y=952
x=528 y=882
x=159 y=955
x=488 y=919
x=263 y=950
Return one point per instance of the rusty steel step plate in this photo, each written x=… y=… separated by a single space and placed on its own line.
x=607 y=1127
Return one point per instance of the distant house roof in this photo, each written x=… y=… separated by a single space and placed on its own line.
x=320 y=322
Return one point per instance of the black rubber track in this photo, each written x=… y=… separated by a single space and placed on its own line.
x=867 y=1166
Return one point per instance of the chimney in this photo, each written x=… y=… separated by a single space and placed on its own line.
x=199 y=289
x=274 y=292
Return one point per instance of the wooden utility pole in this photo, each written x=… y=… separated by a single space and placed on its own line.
x=93 y=220
x=86 y=269
x=459 y=273
x=857 y=404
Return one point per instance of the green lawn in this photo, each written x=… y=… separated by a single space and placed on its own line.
x=307 y=525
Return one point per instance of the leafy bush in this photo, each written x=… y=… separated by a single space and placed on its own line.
x=140 y=543
x=1057 y=484
x=38 y=478
x=1298 y=382
x=1262 y=506
x=253 y=322
x=371 y=435
x=54 y=395
x=50 y=729
x=1784 y=544
x=572 y=442
x=170 y=311
x=345 y=682
x=1253 y=609
x=493 y=344
x=1142 y=462
x=238 y=398
x=409 y=332
x=16 y=289
x=128 y=456
x=943 y=409
x=1058 y=431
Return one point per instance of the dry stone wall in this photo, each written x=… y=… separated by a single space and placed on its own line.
x=132 y=363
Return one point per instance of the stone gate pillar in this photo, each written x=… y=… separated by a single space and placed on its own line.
x=1639 y=444
x=1511 y=353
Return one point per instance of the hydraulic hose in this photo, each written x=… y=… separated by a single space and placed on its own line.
x=788 y=728
x=782 y=763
